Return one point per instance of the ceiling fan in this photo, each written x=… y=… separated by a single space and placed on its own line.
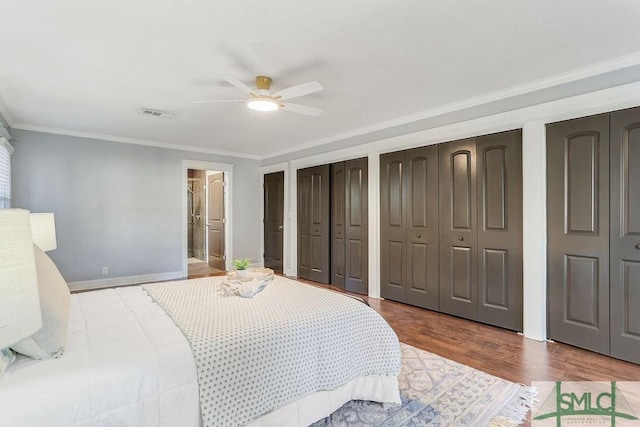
x=261 y=98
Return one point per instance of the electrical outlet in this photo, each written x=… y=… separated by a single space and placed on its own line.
x=105 y=270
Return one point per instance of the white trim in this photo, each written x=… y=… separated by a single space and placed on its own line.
x=276 y=167
x=127 y=140
x=373 y=170
x=211 y=166
x=534 y=232
x=124 y=281
x=228 y=219
x=334 y=156
x=227 y=168
x=292 y=271
x=228 y=216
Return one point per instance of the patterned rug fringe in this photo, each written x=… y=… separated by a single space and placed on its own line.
x=436 y=391
x=515 y=412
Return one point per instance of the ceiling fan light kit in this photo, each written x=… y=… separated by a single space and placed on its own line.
x=263 y=104
x=261 y=99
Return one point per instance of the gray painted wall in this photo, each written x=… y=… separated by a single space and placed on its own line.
x=120 y=205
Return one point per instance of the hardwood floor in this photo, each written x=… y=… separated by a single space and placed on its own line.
x=202 y=269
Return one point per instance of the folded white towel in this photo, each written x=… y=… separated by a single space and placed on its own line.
x=245 y=289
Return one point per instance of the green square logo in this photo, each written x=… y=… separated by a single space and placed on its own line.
x=588 y=403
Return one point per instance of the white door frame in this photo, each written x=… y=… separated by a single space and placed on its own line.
x=227 y=168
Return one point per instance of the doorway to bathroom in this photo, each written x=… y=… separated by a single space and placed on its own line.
x=205 y=222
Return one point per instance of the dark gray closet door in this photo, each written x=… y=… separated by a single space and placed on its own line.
x=319 y=223
x=337 y=225
x=625 y=234
x=499 y=168
x=392 y=226
x=409 y=226
x=304 y=217
x=273 y=220
x=578 y=231
x=421 y=233
x=356 y=211
x=458 y=229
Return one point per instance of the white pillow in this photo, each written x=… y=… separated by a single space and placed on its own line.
x=55 y=299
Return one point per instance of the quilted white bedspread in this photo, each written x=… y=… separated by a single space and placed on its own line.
x=254 y=355
x=126 y=364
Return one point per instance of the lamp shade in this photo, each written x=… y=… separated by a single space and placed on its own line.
x=43 y=231
x=19 y=300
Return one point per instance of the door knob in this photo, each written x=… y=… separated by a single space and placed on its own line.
x=638 y=246
x=461 y=238
x=418 y=235
x=339 y=232
x=281 y=227
x=316 y=230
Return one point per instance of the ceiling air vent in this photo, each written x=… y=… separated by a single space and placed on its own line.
x=155 y=113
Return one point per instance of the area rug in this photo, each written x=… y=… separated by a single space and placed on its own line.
x=440 y=392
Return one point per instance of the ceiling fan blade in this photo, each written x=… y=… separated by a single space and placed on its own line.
x=219 y=100
x=237 y=83
x=301 y=109
x=298 y=90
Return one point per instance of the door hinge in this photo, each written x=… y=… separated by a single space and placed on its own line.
x=224 y=257
x=224 y=220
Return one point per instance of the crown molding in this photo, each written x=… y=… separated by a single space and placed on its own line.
x=207 y=165
x=523 y=89
x=276 y=167
x=4 y=112
x=5 y=143
x=127 y=140
x=4 y=133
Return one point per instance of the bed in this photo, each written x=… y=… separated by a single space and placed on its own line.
x=187 y=354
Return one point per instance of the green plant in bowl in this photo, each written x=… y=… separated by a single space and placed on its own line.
x=242 y=264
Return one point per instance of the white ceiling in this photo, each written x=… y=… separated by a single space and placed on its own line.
x=87 y=67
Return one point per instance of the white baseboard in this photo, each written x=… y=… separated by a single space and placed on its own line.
x=122 y=281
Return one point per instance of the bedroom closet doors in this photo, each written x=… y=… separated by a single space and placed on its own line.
x=333 y=220
x=594 y=232
x=314 y=223
x=273 y=220
x=451 y=228
x=349 y=225
x=481 y=229
x=409 y=226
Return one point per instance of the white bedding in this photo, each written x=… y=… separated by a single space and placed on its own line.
x=254 y=355
x=126 y=364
